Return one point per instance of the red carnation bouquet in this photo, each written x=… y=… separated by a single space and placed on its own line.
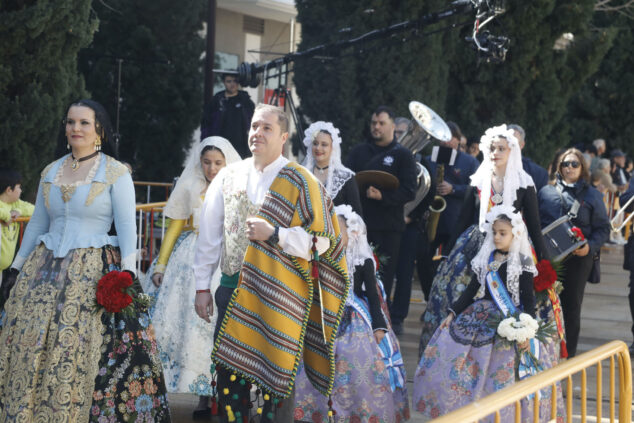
x=577 y=234
x=546 y=276
x=115 y=293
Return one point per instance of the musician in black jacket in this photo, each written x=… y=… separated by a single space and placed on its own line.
x=572 y=183
x=383 y=208
x=413 y=253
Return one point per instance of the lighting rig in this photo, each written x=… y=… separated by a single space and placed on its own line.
x=491 y=48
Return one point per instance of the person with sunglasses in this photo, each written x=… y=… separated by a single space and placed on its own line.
x=572 y=183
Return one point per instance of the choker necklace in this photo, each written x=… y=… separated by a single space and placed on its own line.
x=74 y=165
x=321 y=170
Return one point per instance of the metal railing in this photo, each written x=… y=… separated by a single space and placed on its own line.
x=149 y=185
x=615 y=351
x=145 y=228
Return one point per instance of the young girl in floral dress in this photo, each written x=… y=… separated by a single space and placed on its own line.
x=368 y=386
x=471 y=354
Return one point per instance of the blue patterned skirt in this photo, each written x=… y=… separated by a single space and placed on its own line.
x=469 y=361
x=451 y=279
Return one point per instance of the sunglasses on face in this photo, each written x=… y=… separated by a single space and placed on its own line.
x=575 y=164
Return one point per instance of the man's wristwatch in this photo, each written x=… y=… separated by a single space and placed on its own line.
x=275 y=238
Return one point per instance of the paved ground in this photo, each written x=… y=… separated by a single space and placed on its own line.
x=605 y=317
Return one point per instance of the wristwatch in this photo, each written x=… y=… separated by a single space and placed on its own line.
x=275 y=238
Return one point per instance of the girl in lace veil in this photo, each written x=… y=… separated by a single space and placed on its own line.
x=373 y=387
x=520 y=255
x=323 y=159
x=469 y=340
x=193 y=182
x=500 y=180
x=184 y=338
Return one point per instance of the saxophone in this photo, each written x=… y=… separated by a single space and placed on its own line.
x=437 y=206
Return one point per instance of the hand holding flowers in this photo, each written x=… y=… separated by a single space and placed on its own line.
x=116 y=293
x=519 y=329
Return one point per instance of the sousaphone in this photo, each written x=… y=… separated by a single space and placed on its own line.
x=427 y=125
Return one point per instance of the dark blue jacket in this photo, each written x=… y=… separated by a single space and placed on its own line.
x=538 y=173
x=458 y=175
x=592 y=217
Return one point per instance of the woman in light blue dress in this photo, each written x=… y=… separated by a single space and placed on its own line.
x=62 y=357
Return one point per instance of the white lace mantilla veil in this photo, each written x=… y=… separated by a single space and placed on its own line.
x=338 y=174
x=192 y=182
x=514 y=178
x=358 y=249
x=520 y=254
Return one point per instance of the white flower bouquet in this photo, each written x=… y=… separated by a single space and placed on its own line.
x=519 y=329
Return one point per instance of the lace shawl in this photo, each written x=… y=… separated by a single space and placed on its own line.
x=186 y=195
x=520 y=256
x=338 y=174
x=514 y=178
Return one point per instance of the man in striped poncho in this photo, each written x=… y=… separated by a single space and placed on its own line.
x=270 y=227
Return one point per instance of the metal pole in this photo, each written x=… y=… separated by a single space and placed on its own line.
x=210 y=52
x=117 y=134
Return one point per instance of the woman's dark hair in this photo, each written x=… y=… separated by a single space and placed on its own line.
x=9 y=178
x=554 y=165
x=210 y=148
x=585 y=173
x=103 y=126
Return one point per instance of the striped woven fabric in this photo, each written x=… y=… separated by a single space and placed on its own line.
x=275 y=316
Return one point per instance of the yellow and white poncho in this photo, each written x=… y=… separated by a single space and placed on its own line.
x=275 y=316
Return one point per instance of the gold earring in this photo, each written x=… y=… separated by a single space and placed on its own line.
x=98 y=144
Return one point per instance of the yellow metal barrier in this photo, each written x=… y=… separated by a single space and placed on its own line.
x=615 y=351
x=151 y=206
x=148 y=185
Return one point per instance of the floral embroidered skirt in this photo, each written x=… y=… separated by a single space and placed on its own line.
x=361 y=391
x=451 y=279
x=185 y=340
x=469 y=361
x=64 y=360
